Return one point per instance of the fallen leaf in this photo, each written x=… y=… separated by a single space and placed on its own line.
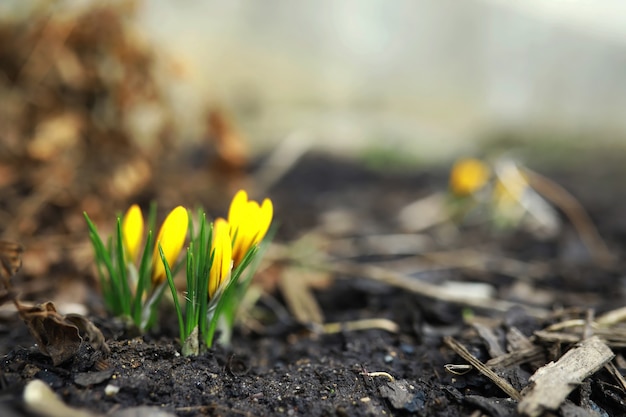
x=55 y=337
x=296 y=287
x=60 y=337
x=89 y=332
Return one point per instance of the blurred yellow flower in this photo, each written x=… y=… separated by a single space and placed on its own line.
x=249 y=222
x=132 y=230
x=222 y=251
x=468 y=176
x=172 y=238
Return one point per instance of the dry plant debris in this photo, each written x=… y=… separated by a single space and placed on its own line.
x=82 y=120
x=551 y=384
x=58 y=336
x=61 y=336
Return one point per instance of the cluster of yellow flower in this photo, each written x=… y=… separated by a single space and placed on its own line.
x=247 y=224
x=505 y=193
x=134 y=267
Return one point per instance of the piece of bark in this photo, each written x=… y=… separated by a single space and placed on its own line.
x=552 y=383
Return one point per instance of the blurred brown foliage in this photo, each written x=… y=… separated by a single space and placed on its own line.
x=82 y=120
x=86 y=126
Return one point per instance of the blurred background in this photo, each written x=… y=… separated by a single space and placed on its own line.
x=104 y=104
x=432 y=78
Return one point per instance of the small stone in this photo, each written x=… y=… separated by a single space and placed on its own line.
x=39 y=399
x=85 y=379
x=408 y=349
x=110 y=390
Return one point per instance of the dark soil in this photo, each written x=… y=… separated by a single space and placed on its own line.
x=284 y=368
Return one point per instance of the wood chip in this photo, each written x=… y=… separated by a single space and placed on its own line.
x=552 y=383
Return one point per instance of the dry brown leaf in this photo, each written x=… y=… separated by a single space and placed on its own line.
x=296 y=285
x=58 y=336
x=89 y=332
x=55 y=337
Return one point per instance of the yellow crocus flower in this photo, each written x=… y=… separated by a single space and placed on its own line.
x=468 y=176
x=132 y=229
x=248 y=222
x=222 y=251
x=172 y=238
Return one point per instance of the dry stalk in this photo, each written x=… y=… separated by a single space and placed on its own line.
x=575 y=212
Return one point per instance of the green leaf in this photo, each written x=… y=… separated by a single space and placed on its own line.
x=170 y=281
x=124 y=289
x=144 y=277
x=104 y=258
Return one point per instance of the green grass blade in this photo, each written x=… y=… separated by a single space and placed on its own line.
x=170 y=281
x=143 y=280
x=191 y=294
x=103 y=255
x=124 y=289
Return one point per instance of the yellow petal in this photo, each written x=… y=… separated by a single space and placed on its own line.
x=132 y=230
x=249 y=223
x=265 y=219
x=172 y=238
x=468 y=176
x=222 y=256
x=237 y=210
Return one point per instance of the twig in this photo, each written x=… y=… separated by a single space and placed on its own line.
x=389 y=277
x=575 y=212
x=517 y=357
x=348 y=326
x=425 y=289
x=485 y=262
x=379 y=373
x=612 y=317
x=460 y=350
x=617 y=375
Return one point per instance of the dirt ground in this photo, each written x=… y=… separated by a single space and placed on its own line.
x=277 y=366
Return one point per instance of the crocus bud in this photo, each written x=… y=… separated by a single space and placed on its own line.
x=172 y=238
x=221 y=248
x=132 y=229
x=468 y=176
